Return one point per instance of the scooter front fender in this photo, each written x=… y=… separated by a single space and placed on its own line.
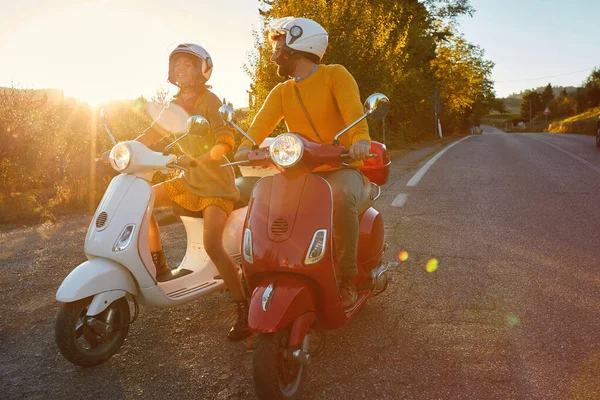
x=277 y=302
x=95 y=276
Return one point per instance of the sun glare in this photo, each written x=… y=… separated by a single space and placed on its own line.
x=88 y=51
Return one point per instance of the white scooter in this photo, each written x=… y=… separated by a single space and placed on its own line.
x=95 y=317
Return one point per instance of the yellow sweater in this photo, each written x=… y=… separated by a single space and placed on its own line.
x=332 y=100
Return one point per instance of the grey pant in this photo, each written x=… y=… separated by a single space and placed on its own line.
x=350 y=198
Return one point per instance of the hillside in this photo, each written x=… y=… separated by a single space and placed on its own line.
x=585 y=123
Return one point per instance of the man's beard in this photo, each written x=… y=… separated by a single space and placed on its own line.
x=284 y=67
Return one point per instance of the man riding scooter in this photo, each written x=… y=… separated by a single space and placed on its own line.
x=319 y=101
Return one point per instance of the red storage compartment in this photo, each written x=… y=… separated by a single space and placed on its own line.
x=377 y=169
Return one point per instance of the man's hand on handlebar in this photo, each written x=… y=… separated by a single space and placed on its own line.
x=360 y=150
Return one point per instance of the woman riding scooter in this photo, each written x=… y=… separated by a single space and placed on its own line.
x=206 y=188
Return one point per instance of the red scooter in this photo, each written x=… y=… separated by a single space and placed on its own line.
x=288 y=252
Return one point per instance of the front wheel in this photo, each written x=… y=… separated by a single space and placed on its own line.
x=275 y=375
x=85 y=345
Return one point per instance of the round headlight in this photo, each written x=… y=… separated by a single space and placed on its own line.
x=120 y=157
x=286 y=150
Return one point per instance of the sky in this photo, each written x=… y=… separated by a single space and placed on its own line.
x=530 y=39
x=99 y=50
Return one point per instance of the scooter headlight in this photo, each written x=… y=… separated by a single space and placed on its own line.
x=286 y=150
x=120 y=157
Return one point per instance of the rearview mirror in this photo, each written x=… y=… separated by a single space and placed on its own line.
x=226 y=113
x=377 y=105
x=104 y=122
x=198 y=126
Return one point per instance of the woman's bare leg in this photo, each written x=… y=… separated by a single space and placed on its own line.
x=161 y=199
x=214 y=225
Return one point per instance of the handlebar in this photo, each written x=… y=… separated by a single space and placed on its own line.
x=175 y=165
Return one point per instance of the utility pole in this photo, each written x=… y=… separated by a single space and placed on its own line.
x=530 y=121
x=435 y=117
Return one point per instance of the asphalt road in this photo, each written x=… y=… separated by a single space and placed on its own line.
x=511 y=312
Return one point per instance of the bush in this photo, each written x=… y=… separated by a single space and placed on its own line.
x=47 y=146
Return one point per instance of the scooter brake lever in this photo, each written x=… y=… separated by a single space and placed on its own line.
x=235 y=163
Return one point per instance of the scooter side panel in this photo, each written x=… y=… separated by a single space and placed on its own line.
x=291 y=297
x=370 y=243
x=95 y=276
x=128 y=207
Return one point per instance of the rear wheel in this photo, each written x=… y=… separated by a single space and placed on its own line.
x=83 y=344
x=276 y=376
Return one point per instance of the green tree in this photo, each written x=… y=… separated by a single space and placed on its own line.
x=387 y=45
x=532 y=104
x=464 y=78
x=548 y=96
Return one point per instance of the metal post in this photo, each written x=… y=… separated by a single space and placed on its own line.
x=92 y=187
x=530 y=120
x=435 y=118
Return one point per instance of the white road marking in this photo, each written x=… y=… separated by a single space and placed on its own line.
x=399 y=200
x=420 y=173
x=589 y=164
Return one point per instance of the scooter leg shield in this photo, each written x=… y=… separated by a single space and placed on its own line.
x=278 y=302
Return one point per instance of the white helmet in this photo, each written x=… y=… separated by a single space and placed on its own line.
x=205 y=65
x=301 y=34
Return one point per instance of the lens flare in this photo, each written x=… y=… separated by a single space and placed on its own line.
x=403 y=255
x=432 y=265
x=512 y=320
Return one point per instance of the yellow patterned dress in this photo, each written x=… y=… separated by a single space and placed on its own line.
x=178 y=193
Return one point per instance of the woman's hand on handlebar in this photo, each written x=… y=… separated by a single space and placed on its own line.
x=186 y=161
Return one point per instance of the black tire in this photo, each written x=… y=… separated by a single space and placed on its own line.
x=275 y=378
x=79 y=343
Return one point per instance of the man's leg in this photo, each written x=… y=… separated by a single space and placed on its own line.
x=349 y=194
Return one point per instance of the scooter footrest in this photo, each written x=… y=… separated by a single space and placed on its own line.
x=174 y=274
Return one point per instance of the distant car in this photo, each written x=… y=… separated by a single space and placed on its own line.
x=598 y=132
x=476 y=130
